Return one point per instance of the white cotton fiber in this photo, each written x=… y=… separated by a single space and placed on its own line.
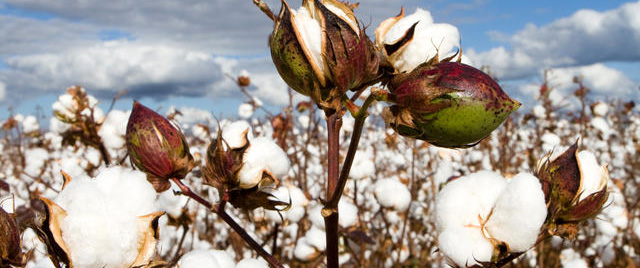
x=348 y=215
x=262 y=155
x=252 y=263
x=113 y=129
x=245 y=110
x=465 y=245
x=311 y=32
x=206 y=258
x=233 y=134
x=30 y=124
x=101 y=228
x=519 y=213
x=428 y=39
x=304 y=251
x=593 y=177
x=391 y=193
x=461 y=201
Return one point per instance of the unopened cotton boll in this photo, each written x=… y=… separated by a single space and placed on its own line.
x=391 y=193
x=519 y=213
x=262 y=155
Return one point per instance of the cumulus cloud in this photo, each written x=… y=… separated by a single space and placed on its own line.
x=602 y=81
x=584 y=38
x=115 y=65
x=3 y=90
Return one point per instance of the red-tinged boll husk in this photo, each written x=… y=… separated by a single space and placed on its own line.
x=562 y=181
x=346 y=60
x=157 y=147
x=10 y=251
x=448 y=104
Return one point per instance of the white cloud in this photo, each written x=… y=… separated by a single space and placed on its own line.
x=3 y=90
x=603 y=82
x=584 y=38
x=115 y=65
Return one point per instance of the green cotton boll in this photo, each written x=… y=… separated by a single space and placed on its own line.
x=447 y=104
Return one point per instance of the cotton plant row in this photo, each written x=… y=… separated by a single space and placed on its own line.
x=427 y=186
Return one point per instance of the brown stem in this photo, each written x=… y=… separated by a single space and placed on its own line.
x=360 y=118
x=219 y=210
x=264 y=8
x=334 y=122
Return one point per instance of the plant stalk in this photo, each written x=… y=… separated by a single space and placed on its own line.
x=219 y=210
x=334 y=122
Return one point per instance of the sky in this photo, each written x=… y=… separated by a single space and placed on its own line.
x=183 y=53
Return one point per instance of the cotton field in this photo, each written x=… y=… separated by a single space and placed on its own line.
x=401 y=205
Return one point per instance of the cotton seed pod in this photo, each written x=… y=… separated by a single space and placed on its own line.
x=10 y=251
x=320 y=51
x=575 y=186
x=448 y=104
x=157 y=147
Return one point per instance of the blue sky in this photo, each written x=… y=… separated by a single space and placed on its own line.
x=179 y=53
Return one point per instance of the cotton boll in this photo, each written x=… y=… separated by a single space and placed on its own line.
x=252 y=263
x=30 y=124
x=298 y=203
x=101 y=228
x=391 y=193
x=315 y=215
x=465 y=246
x=113 y=129
x=428 y=39
x=519 y=213
x=262 y=155
x=571 y=259
x=601 y=125
x=206 y=258
x=549 y=141
x=539 y=111
x=348 y=215
x=35 y=159
x=316 y=238
x=233 y=134
x=245 y=110
x=461 y=201
x=93 y=156
x=362 y=166
x=600 y=109
x=304 y=251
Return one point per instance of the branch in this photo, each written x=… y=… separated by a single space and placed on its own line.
x=219 y=210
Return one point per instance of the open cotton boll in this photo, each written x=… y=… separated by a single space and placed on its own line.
x=519 y=213
x=465 y=246
x=304 y=251
x=298 y=203
x=549 y=142
x=113 y=129
x=206 y=258
x=101 y=228
x=461 y=201
x=252 y=263
x=316 y=238
x=30 y=124
x=262 y=155
x=429 y=39
x=245 y=110
x=35 y=159
x=348 y=215
x=233 y=134
x=363 y=166
x=600 y=109
x=592 y=174
x=391 y=193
